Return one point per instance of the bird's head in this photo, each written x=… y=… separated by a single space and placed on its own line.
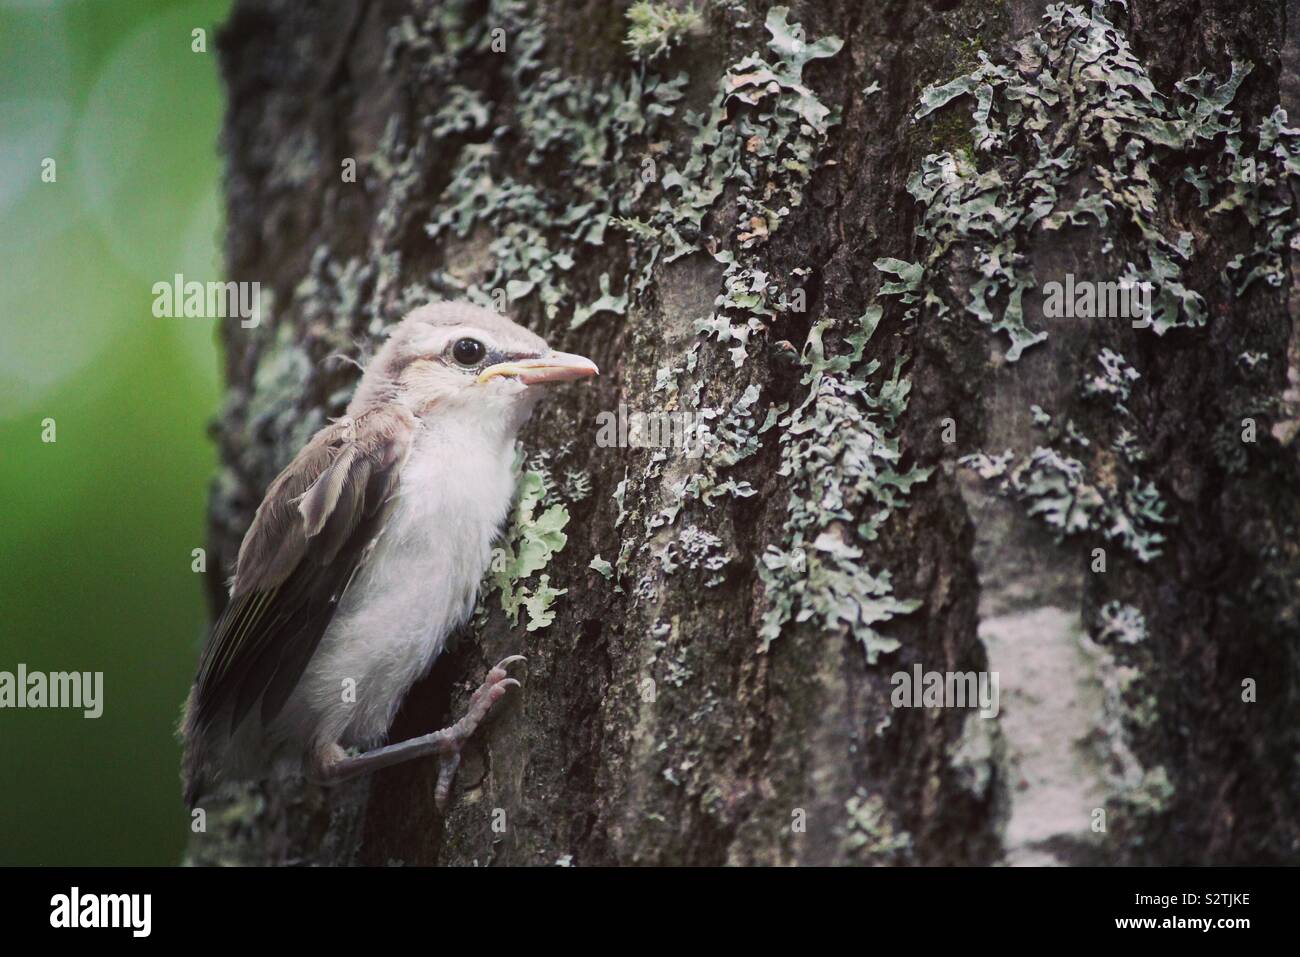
x=458 y=359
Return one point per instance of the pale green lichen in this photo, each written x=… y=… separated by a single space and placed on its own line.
x=576 y=485
x=1129 y=710
x=577 y=135
x=1071 y=133
x=768 y=152
x=1056 y=489
x=724 y=437
x=533 y=537
x=1076 y=101
x=1122 y=623
x=273 y=402
x=871 y=834
x=1258 y=186
x=839 y=448
x=760 y=136
x=655 y=28
x=695 y=548
x=1114 y=382
x=606 y=303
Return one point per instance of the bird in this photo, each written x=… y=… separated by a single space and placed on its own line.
x=365 y=555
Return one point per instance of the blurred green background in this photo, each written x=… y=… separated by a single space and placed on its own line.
x=98 y=527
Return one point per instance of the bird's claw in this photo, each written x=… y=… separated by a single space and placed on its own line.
x=492 y=690
x=499 y=669
x=497 y=676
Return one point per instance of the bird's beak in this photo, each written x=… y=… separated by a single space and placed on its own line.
x=552 y=367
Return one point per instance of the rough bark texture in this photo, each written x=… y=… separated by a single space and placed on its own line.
x=652 y=727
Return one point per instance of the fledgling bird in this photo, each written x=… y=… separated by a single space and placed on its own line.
x=366 y=554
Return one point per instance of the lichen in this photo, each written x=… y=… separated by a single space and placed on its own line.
x=695 y=548
x=1137 y=794
x=1055 y=487
x=871 y=834
x=655 y=28
x=839 y=448
x=1075 y=102
x=1114 y=382
x=533 y=537
x=768 y=152
x=602 y=567
x=1122 y=623
x=549 y=211
x=1071 y=133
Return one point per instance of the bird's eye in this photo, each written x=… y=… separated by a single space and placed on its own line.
x=468 y=352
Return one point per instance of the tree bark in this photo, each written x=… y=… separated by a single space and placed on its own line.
x=723 y=692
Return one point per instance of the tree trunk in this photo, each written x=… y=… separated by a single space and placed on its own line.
x=825 y=251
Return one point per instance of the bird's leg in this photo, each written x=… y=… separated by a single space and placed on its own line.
x=338 y=766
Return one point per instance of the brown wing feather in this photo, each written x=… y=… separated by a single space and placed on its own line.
x=307 y=539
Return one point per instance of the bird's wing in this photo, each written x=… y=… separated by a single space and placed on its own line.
x=308 y=538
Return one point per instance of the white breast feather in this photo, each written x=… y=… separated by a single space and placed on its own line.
x=416 y=587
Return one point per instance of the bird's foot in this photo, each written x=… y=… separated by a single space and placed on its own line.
x=492 y=690
x=333 y=765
